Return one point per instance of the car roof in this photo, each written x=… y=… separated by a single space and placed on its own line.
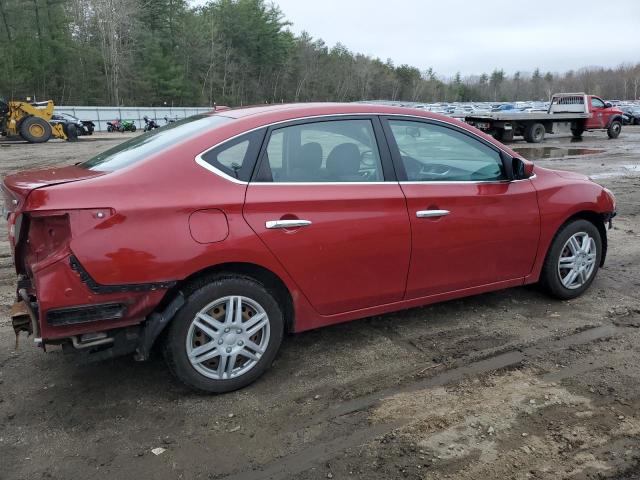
x=289 y=110
x=261 y=115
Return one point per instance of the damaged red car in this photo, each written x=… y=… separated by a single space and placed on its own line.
x=216 y=235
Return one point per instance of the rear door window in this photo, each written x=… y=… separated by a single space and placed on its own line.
x=324 y=151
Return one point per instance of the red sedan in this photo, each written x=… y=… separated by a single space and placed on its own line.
x=223 y=231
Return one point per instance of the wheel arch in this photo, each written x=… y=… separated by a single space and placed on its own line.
x=156 y=325
x=613 y=118
x=266 y=277
x=593 y=217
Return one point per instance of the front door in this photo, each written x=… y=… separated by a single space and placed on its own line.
x=598 y=114
x=470 y=225
x=321 y=204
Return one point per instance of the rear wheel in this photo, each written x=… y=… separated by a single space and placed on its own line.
x=503 y=135
x=534 y=133
x=577 y=133
x=35 y=130
x=573 y=260
x=226 y=336
x=614 y=129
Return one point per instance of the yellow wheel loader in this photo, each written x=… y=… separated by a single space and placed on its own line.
x=30 y=121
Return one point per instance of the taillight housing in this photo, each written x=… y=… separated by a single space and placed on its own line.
x=14 y=224
x=44 y=237
x=48 y=237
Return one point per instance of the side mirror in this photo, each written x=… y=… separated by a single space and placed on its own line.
x=608 y=104
x=522 y=169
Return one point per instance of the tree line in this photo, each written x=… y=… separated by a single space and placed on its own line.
x=231 y=52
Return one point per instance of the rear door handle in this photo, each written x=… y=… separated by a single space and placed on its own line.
x=432 y=213
x=273 y=224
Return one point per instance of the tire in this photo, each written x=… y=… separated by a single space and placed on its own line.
x=35 y=130
x=507 y=136
x=72 y=132
x=534 y=133
x=553 y=277
x=614 y=129
x=577 y=133
x=212 y=298
x=109 y=128
x=133 y=128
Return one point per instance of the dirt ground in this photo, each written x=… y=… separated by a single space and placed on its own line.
x=510 y=384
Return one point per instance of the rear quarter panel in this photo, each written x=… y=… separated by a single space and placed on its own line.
x=146 y=236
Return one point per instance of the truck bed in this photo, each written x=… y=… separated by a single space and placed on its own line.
x=511 y=116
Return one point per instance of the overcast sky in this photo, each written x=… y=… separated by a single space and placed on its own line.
x=475 y=36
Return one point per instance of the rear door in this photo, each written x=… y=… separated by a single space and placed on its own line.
x=470 y=225
x=325 y=201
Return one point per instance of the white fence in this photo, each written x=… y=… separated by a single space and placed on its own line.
x=101 y=115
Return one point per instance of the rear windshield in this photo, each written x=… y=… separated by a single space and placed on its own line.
x=143 y=146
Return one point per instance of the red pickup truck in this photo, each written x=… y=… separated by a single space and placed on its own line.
x=578 y=112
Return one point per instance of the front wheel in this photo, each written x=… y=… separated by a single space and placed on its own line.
x=614 y=129
x=35 y=130
x=572 y=260
x=225 y=336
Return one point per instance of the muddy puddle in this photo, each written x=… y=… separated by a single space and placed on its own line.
x=537 y=153
x=621 y=171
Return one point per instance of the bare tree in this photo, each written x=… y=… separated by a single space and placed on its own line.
x=114 y=19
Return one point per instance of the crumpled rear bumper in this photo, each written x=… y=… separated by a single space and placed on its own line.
x=62 y=301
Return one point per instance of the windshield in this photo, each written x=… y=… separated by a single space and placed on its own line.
x=143 y=146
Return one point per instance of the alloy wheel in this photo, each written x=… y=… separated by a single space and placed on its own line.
x=228 y=337
x=577 y=260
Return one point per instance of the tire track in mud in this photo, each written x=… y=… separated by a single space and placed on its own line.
x=314 y=454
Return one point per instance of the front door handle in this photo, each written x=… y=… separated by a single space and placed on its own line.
x=272 y=224
x=432 y=213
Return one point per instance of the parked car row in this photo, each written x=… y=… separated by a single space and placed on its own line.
x=463 y=109
x=631 y=114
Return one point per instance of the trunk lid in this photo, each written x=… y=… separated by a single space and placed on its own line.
x=17 y=187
